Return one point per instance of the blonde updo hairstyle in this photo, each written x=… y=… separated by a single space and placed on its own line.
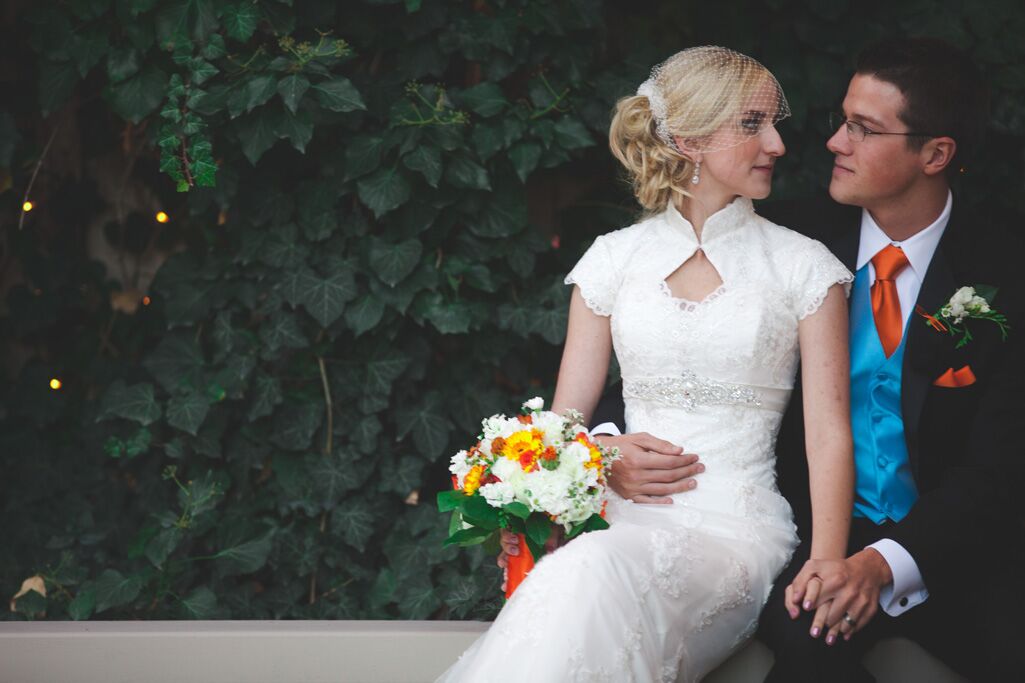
x=703 y=88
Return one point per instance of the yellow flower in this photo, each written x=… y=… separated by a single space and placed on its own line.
x=472 y=480
x=524 y=446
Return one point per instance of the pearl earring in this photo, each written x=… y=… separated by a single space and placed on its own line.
x=696 y=178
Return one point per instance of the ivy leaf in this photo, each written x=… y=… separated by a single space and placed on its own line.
x=244 y=558
x=240 y=20
x=364 y=314
x=259 y=89
x=570 y=133
x=448 y=316
x=485 y=99
x=88 y=49
x=258 y=134
x=136 y=402
x=353 y=520
x=419 y=599
x=295 y=424
x=292 y=88
x=188 y=412
x=200 y=604
x=298 y=129
x=113 y=589
x=393 y=262
x=56 y=81
x=524 y=157
x=364 y=434
x=363 y=155
x=83 y=605
x=325 y=297
x=383 y=368
x=467 y=174
x=428 y=423
x=317 y=215
x=266 y=395
x=137 y=97
x=427 y=160
x=160 y=547
x=504 y=215
x=282 y=330
x=176 y=362
x=384 y=190
x=338 y=94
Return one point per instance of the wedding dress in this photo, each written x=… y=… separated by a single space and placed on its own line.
x=669 y=591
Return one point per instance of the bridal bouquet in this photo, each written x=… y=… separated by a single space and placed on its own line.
x=529 y=474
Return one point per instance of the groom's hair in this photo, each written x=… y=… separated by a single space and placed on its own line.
x=943 y=90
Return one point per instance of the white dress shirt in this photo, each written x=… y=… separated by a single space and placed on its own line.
x=908 y=587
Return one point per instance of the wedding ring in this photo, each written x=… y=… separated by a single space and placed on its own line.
x=849 y=620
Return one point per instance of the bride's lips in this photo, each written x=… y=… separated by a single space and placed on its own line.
x=765 y=169
x=841 y=170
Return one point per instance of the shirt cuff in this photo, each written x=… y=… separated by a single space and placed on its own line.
x=606 y=429
x=908 y=588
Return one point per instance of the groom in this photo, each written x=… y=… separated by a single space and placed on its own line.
x=939 y=430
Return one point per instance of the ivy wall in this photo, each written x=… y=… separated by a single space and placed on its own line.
x=282 y=257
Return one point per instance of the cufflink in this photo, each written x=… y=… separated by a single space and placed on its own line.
x=904 y=601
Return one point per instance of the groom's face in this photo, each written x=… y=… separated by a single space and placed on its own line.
x=879 y=169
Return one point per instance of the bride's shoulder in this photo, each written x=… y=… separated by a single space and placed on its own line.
x=780 y=238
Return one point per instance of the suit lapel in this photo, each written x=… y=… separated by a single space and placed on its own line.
x=928 y=352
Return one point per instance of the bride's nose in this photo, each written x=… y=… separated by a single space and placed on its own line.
x=772 y=143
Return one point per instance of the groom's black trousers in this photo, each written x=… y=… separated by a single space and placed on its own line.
x=977 y=631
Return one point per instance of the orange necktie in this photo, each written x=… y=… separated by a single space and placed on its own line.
x=885 y=302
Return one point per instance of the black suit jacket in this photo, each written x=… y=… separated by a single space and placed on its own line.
x=966 y=445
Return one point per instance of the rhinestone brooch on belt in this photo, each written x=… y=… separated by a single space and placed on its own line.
x=689 y=390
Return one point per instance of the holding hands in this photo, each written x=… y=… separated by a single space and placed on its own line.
x=843 y=593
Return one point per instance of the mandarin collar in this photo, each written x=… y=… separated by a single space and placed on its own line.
x=724 y=221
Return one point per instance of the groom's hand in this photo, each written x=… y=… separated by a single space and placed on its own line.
x=650 y=469
x=839 y=588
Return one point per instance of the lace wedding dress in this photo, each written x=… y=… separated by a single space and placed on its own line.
x=669 y=591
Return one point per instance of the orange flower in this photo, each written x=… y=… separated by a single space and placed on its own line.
x=498 y=445
x=526 y=419
x=549 y=454
x=524 y=446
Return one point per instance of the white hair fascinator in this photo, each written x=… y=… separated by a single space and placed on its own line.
x=713 y=97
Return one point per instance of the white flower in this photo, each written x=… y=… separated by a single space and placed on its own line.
x=963 y=295
x=575 y=452
x=550 y=425
x=957 y=311
x=459 y=466
x=507 y=470
x=499 y=425
x=534 y=404
x=498 y=494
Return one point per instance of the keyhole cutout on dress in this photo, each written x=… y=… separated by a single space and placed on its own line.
x=695 y=280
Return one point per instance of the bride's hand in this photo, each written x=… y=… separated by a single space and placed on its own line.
x=510 y=544
x=650 y=469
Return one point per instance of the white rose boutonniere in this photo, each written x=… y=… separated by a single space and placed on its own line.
x=967 y=302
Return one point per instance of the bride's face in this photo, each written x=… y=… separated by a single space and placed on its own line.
x=750 y=147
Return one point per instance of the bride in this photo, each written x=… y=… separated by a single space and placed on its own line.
x=709 y=308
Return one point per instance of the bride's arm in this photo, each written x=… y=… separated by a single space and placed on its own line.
x=827 y=419
x=585 y=359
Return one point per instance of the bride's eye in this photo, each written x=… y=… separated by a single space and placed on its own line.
x=752 y=121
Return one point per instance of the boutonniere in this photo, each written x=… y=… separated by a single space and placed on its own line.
x=967 y=303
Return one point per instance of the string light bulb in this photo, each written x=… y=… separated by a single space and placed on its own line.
x=162 y=217
x=146 y=301
x=27 y=206
x=55 y=384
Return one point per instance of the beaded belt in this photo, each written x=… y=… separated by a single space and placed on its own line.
x=690 y=390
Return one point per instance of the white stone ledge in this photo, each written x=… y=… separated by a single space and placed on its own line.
x=312 y=652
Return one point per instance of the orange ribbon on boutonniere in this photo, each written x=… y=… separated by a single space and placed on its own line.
x=954 y=379
x=966 y=303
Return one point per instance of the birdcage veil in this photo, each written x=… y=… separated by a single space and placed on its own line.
x=713 y=98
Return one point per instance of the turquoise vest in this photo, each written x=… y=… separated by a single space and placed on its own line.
x=884 y=487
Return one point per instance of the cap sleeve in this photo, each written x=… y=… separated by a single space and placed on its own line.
x=815 y=272
x=597 y=277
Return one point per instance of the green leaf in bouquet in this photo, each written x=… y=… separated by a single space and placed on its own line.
x=595 y=523
x=477 y=511
x=451 y=500
x=471 y=536
x=539 y=528
x=517 y=509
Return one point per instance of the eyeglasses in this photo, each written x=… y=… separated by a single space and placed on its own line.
x=857 y=132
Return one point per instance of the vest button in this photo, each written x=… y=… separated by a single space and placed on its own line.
x=882 y=462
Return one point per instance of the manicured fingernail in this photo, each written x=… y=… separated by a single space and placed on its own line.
x=814 y=631
x=847 y=636
x=793 y=614
x=691 y=484
x=830 y=639
x=514 y=551
x=807 y=604
x=701 y=468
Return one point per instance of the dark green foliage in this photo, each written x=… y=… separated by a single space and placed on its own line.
x=360 y=264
